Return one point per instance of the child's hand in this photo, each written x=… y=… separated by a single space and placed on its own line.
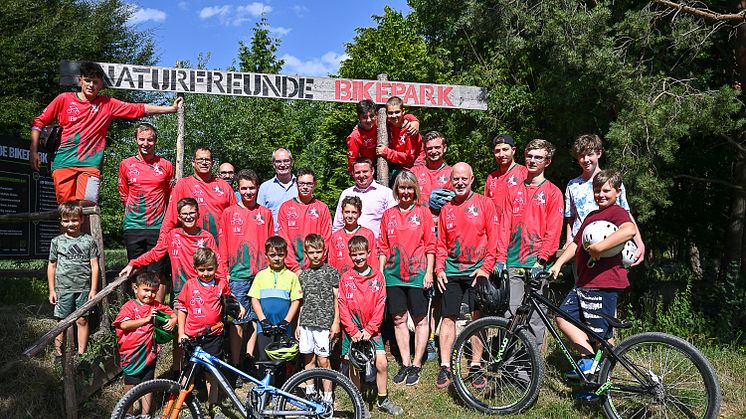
x=334 y=331
x=152 y=312
x=297 y=333
x=357 y=336
x=183 y=337
x=555 y=270
x=365 y=335
x=127 y=270
x=241 y=312
x=52 y=297
x=593 y=251
x=412 y=127
x=91 y=294
x=380 y=149
x=170 y=324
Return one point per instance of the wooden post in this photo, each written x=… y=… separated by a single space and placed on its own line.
x=180 y=134
x=382 y=166
x=98 y=236
x=68 y=371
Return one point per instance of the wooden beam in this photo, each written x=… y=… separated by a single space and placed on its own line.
x=382 y=166
x=180 y=134
x=68 y=374
x=69 y=320
x=40 y=216
x=98 y=236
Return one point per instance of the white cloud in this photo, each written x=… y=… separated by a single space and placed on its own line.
x=235 y=15
x=143 y=15
x=317 y=66
x=299 y=10
x=279 y=30
x=183 y=5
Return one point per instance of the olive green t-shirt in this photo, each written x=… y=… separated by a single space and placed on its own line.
x=73 y=256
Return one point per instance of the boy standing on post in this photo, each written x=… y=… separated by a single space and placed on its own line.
x=405 y=149
x=84 y=117
x=530 y=227
x=72 y=273
x=319 y=315
x=362 y=301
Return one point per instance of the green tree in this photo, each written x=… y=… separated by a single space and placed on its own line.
x=260 y=56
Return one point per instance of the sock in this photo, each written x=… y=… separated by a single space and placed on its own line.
x=475 y=364
x=382 y=399
x=310 y=388
x=443 y=364
x=328 y=396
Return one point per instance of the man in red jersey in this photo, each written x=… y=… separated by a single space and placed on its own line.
x=211 y=193
x=530 y=229
x=508 y=175
x=145 y=182
x=435 y=174
x=84 y=117
x=362 y=140
x=467 y=229
x=300 y=217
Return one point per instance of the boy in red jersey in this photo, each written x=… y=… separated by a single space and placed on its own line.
x=244 y=228
x=404 y=149
x=362 y=140
x=530 y=229
x=339 y=256
x=508 y=175
x=145 y=182
x=300 y=217
x=466 y=230
x=199 y=307
x=134 y=327
x=362 y=300
x=211 y=193
x=84 y=117
x=597 y=286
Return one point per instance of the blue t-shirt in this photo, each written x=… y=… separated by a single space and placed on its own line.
x=579 y=201
x=273 y=193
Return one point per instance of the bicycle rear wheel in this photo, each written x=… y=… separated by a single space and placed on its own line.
x=347 y=401
x=501 y=386
x=680 y=382
x=163 y=394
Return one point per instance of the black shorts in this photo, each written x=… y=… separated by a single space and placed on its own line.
x=138 y=241
x=457 y=291
x=401 y=299
x=213 y=345
x=148 y=373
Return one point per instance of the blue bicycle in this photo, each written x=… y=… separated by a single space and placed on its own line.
x=161 y=398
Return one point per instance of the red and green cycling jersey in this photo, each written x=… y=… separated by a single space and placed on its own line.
x=531 y=223
x=145 y=187
x=498 y=184
x=243 y=232
x=339 y=253
x=362 y=300
x=180 y=247
x=213 y=198
x=137 y=349
x=84 y=126
x=467 y=232
x=429 y=179
x=362 y=143
x=295 y=221
x=406 y=238
x=404 y=149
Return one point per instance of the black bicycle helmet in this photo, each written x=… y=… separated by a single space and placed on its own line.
x=361 y=353
x=284 y=349
x=491 y=299
x=231 y=308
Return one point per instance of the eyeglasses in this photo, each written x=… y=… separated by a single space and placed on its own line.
x=202 y=160
x=535 y=157
x=188 y=214
x=306 y=184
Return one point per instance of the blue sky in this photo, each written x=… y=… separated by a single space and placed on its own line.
x=312 y=34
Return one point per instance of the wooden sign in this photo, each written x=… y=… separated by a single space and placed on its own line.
x=276 y=86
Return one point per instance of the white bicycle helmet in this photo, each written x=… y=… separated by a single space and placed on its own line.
x=628 y=253
x=596 y=232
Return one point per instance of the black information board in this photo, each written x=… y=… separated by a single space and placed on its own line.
x=24 y=190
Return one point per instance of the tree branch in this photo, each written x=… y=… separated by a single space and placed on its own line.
x=740 y=147
x=709 y=180
x=705 y=14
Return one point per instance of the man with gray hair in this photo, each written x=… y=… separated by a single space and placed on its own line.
x=281 y=187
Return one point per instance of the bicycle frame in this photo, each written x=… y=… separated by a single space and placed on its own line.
x=262 y=391
x=531 y=303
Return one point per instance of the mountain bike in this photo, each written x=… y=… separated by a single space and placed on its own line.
x=646 y=375
x=176 y=399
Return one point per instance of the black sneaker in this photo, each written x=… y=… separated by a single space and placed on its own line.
x=401 y=375
x=413 y=377
x=477 y=377
x=444 y=377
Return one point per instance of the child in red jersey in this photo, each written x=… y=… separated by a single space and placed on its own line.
x=362 y=140
x=362 y=300
x=300 y=217
x=243 y=230
x=404 y=150
x=134 y=326
x=530 y=228
x=597 y=286
x=339 y=256
x=199 y=307
x=84 y=117
x=180 y=244
x=508 y=175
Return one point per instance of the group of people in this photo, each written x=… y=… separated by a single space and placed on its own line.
x=413 y=250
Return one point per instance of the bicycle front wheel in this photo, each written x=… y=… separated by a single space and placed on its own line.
x=156 y=398
x=346 y=400
x=509 y=370
x=679 y=382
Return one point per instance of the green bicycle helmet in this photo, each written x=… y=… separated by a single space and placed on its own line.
x=162 y=335
x=284 y=349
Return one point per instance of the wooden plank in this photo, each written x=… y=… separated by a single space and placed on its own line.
x=277 y=86
x=69 y=320
x=98 y=236
x=68 y=375
x=382 y=138
x=180 y=124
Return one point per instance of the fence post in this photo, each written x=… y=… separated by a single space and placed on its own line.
x=98 y=236
x=180 y=134
x=68 y=378
x=382 y=166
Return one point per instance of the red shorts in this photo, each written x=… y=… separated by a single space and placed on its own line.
x=76 y=184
